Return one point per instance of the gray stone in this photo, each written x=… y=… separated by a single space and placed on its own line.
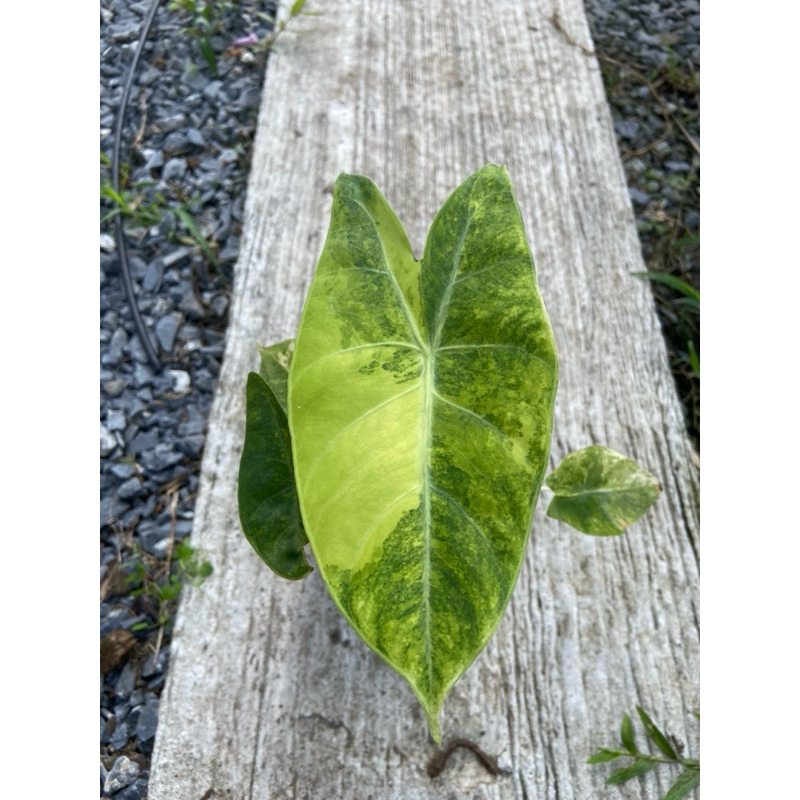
x=144 y=440
x=181 y=381
x=627 y=128
x=148 y=720
x=130 y=488
x=107 y=243
x=174 y=169
x=136 y=791
x=123 y=470
x=231 y=250
x=122 y=774
x=126 y=681
x=155 y=159
x=195 y=137
x=171 y=123
x=192 y=445
x=111 y=507
x=136 y=350
x=638 y=197
x=155 y=666
x=211 y=92
x=142 y=374
x=118 y=343
x=115 y=420
x=219 y=305
x=153 y=277
x=677 y=166
x=175 y=144
x=692 y=220
x=150 y=534
x=250 y=98
x=160 y=458
x=190 y=305
x=166 y=331
x=108 y=441
x=177 y=256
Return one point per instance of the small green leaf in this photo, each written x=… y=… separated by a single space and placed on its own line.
x=170 y=591
x=205 y=569
x=626 y=734
x=297 y=7
x=685 y=783
x=275 y=361
x=268 y=508
x=603 y=755
x=600 y=492
x=655 y=734
x=639 y=767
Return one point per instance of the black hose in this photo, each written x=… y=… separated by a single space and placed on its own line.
x=122 y=248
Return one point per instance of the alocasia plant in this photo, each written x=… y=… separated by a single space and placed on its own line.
x=419 y=415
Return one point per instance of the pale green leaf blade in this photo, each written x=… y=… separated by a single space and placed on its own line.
x=268 y=507
x=274 y=368
x=636 y=769
x=420 y=408
x=686 y=781
x=600 y=492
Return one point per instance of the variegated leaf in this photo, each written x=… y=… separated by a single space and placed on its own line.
x=420 y=408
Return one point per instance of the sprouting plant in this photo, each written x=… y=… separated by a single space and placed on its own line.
x=405 y=433
x=204 y=21
x=163 y=581
x=644 y=762
x=146 y=208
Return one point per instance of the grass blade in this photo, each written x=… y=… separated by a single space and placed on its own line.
x=671 y=281
x=603 y=755
x=655 y=734
x=636 y=769
x=685 y=783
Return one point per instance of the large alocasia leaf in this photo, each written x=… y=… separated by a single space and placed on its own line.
x=420 y=409
x=268 y=508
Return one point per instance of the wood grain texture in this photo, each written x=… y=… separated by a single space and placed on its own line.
x=269 y=693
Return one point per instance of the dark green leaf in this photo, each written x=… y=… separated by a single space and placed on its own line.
x=639 y=767
x=268 y=508
x=685 y=783
x=671 y=281
x=600 y=492
x=205 y=569
x=655 y=734
x=275 y=361
x=603 y=755
x=626 y=734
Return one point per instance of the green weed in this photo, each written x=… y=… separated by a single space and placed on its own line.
x=642 y=763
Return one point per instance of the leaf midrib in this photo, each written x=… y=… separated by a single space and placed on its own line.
x=427 y=386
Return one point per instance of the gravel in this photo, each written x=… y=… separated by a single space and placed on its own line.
x=192 y=150
x=192 y=131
